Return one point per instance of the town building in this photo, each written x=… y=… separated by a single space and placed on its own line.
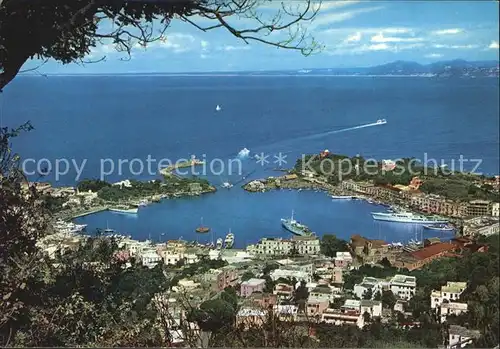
x=369 y=283
x=251 y=286
x=290 y=274
x=371 y=251
x=249 y=317
x=227 y=276
x=403 y=287
x=264 y=300
x=477 y=208
x=451 y=308
x=342 y=317
x=460 y=337
x=315 y=306
x=149 y=258
x=450 y=293
x=495 y=209
x=306 y=245
x=283 y=291
x=374 y=308
x=417 y=259
x=343 y=259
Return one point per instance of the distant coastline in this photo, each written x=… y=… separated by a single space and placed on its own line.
x=452 y=68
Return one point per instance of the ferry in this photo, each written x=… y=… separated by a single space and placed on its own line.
x=229 y=241
x=295 y=227
x=440 y=227
x=202 y=229
x=406 y=217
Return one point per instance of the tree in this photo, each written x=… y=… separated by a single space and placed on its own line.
x=366 y=317
x=368 y=294
x=247 y=276
x=388 y=299
x=330 y=245
x=71 y=28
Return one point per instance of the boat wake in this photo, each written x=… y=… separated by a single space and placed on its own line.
x=323 y=134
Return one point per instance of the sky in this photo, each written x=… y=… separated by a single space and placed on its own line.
x=351 y=34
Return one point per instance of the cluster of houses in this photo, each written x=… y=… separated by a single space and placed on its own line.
x=429 y=203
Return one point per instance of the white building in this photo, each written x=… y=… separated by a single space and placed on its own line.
x=272 y=246
x=495 y=209
x=460 y=337
x=290 y=274
x=150 y=258
x=450 y=292
x=403 y=286
x=369 y=283
x=306 y=245
x=303 y=245
x=451 y=308
x=173 y=256
x=374 y=308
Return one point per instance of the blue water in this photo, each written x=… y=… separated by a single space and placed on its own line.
x=130 y=117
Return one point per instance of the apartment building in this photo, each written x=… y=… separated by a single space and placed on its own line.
x=227 y=276
x=450 y=292
x=460 y=337
x=477 y=208
x=303 y=245
x=403 y=287
x=306 y=245
x=374 y=308
x=283 y=291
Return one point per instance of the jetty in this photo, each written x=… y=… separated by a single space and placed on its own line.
x=89 y=212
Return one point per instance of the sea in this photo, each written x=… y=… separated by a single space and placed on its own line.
x=121 y=127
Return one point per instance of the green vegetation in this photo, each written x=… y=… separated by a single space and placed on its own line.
x=138 y=190
x=330 y=245
x=458 y=189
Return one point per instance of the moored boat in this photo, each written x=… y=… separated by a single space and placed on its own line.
x=202 y=229
x=406 y=217
x=229 y=241
x=295 y=227
x=439 y=227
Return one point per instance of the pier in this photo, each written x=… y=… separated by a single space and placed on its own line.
x=93 y=211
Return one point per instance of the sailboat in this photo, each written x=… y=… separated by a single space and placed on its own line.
x=108 y=230
x=202 y=229
x=218 y=108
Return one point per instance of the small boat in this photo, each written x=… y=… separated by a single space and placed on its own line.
x=202 y=229
x=226 y=185
x=143 y=203
x=219 y=243
x=229 y=241
x=440 y=227
x=381 y=121
x=218 y=108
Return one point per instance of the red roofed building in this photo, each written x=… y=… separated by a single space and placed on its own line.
x=417 y=259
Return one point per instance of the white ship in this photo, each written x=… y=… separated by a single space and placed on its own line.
x=407 y=217
x=219 y=243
